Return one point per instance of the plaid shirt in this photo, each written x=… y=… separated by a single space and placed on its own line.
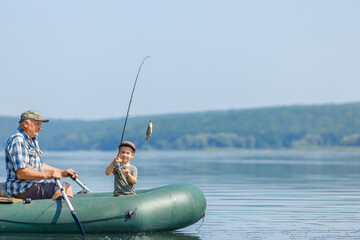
x=21 y=151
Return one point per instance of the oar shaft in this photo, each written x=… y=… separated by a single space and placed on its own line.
x=65 y=196
x=71 y=208
x=80 y=184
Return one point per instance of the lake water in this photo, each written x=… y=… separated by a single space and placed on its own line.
x=250 y=194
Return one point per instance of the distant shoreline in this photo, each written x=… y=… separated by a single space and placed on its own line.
x=299 y=127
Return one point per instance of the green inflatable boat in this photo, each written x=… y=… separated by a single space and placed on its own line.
x=160 y=209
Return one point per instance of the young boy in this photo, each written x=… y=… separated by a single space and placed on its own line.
x=125 y=173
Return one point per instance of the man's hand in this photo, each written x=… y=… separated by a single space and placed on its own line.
x=69 y=172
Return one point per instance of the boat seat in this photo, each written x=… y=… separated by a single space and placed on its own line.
x=4 y=198
x=10 y=200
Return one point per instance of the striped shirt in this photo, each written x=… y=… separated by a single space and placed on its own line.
x=21 y=151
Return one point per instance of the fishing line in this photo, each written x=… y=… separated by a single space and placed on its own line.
x=132 y=94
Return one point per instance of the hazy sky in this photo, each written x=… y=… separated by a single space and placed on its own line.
x=79 y=59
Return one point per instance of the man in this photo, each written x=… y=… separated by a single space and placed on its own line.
x=25 y=170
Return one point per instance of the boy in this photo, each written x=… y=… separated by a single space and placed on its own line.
x=125 y=173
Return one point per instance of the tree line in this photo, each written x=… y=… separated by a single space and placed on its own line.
x=289 y=127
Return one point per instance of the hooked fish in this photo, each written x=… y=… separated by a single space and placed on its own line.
x=148 y=131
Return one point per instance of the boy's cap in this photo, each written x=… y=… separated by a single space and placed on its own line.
x=32 y=114
x=128 y=144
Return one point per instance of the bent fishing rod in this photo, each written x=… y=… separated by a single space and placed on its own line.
x=132 y=94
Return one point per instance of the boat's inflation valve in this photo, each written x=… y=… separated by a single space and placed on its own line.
x=129 y=214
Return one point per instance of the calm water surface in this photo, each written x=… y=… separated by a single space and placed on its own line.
x=250 y=194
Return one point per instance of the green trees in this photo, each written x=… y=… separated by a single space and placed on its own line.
x=276 y=127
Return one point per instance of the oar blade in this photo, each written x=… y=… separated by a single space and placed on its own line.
x=78 y=223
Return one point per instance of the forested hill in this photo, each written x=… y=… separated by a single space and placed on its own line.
x=273 y=127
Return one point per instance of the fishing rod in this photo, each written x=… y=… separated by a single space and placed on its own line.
x=132 y=94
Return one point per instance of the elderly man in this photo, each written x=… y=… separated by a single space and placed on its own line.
x=25 y=170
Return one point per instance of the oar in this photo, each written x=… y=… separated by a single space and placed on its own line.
x=73 y=213
x=85 y=188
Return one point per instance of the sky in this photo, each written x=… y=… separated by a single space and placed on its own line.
x=79 y=59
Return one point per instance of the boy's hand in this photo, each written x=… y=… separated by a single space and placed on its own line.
x=117 y=160
x=126 y=172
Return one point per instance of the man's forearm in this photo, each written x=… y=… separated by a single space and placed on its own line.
x=30 y=174
x=49 y=168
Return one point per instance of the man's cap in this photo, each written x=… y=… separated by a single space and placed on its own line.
x=128 y=144
x=32 y=114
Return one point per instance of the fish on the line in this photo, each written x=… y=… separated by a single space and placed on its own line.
x=148 y=131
